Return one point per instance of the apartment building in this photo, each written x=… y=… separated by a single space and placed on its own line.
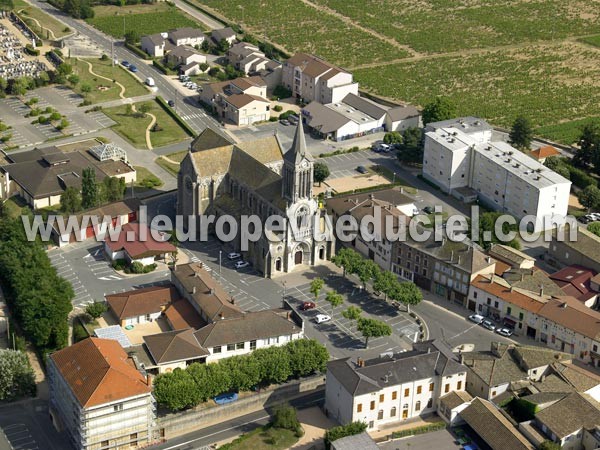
x=394 y=387
x=499 y=175
x=312 y=79
x=99 y=397
x=474 y=127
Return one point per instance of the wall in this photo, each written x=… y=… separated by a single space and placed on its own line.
x=176 y=424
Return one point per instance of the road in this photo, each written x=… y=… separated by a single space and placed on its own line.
x=233 y=428
x=184 y=106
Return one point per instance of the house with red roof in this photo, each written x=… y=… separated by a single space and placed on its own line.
x=138 y=243
x=575 y=281
x=544 y=152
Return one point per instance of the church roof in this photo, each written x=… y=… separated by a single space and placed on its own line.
x=298 y=151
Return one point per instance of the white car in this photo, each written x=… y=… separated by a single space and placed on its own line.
x=241 y=264
x=234 y=255
x=594 y=216
x=476 y=318
x=504 y=331
x=321 y=318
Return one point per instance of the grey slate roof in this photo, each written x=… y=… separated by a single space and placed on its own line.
x=572 y=413
x=298 y=152
x=360 y=441
x=323 y=119
x=222 y=33
x=402 y=112
x=365 y=105
x=171 y=346
x=427 y=359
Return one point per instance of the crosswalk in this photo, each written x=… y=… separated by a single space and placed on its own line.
x=194 y=116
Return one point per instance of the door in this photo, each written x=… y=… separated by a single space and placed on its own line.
x=405 y=413
x=278 y=264
x=298 y=257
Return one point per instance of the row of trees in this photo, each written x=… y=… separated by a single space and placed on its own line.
x=588 y=155
x=40 y=300
x=183 y=389
x=93 y=194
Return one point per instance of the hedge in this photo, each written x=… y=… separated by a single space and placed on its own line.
x=580 y=178
x=160 y=66
x=419 y=430
x=189 y=130
x=139 y=52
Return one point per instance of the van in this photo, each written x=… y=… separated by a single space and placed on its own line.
x=150 y=81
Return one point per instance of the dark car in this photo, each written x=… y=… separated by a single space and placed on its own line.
x=307 y=305
x=133 y=68
x=361 y=169
x=428 y=210
x=125 y=63
x=171 y=103
x=284 y=122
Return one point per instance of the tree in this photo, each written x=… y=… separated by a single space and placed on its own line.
x=70 y=200
x=18 y=86
x=408 y=293
x=521 y=133
x=549 y=445
x=439 y=109
x=367 y=271
x=205 y=46
x=307 y=356
x=132 y=37
x=392 y=137
x=113 y=189
x=274 y=363
x=589 y=197
x=65 y=69
x=372 y=328
x=86 y=88
x=594 y=227
x=352 y=313
x=286 y=417
x=176 y=390
x=144 y=108
x=335 y=433
x=128 y=109
x=334 y=299
x=410 y=150
x=73 y=79
x=385 y=282
x=223 y=46
x=347 y=259
x=96 y=309
x=315 y=287
x=89 y=188
x=321 y=172
x=589 y=146
x=17 y=378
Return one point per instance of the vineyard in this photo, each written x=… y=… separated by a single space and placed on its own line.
x=143 y=19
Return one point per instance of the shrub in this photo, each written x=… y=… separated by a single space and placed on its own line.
x=286 y=417
x=79 y=333
x=419 y=430
x=335 y=433
x=96 y=309
x=282 y=92
x=119 y=264
x=278 y=108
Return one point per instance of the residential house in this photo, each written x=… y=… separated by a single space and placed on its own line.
x=576 y=281
x=143 y=305
x=392 y=388
x=383 y=210
x=154 y=44
x=511 y=256
x=502 y=177
x=493 y=426
x=544 y=152
x=250 y=60
x=137 y=243
x=313 y=79
x=41 y=175
x=186 y=36
x=451 y=404
x=572 y=245
x=227 y=34
x=98 y=396
x=184 y=56
x=399 y=118
x=445 y=268
x=534 y=280
x=175 y=349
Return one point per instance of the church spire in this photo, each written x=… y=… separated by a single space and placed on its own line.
x=297 y=169
x=298 y=152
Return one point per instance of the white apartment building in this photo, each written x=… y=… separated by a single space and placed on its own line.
x=393 y=387
x=499 y=175
x=98 y=396
x=474 y=127
x=313 y=79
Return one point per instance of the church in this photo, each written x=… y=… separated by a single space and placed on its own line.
x=218 y=177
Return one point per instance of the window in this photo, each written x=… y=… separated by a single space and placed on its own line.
x=371 y=424
x=217 y=349
x=459 y=385
x=393 y=412
x=240 y=346
x=372 y=405
x=475 y=294
x=429 y=403
x=489 y=301
x=493 y=393
x=508 y=310
x=419 y=388
x=133 y=438
x=252 y=345
x=406 y=392
x=230 y=347
x=520 y=316
x=447 y=388
x=431 y=386
x=104 y=444
x=381 y=397
x=359 y=408
x=380 y=414
x=495 y=304
x=394 y=395
x=118 y=407
x=595 y=348
x=418 y=406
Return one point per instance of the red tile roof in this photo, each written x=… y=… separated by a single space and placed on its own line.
x=531 y=302
x=98 y=371
x=137 y=240
x=544 y=152
x=181 y=315
x=139 y=302
x=575 y=281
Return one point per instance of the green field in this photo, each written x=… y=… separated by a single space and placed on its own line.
x=493 y=59
x=57 y=29
x=133 y=126
x=104 y=90
x=144 y=19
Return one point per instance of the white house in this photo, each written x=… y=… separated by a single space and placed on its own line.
x=154 y=44
x=98 y=396
x=186 y=36
x=226 y=34
x=400 y=118
x=184 y=55
x=393 y=387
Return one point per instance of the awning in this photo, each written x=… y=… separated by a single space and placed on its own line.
x=510 y=321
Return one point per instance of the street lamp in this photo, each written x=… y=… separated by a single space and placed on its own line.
x=394 y=179
x=220 y=254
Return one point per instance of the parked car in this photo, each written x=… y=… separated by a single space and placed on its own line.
x=385 y=148
x=504 y=331
x=284 y=122
x=321 y=318
x=428 y=210
x=361 y=169
x=150 y=82
x=125 y=63
x=241 y=264
x=293 y=119
x=584 y=219
x=132 y=68
x=476 y=318
x=307 y=305
x=234 y=255
x=594 y=216
x=488 y=324
x=171 y=103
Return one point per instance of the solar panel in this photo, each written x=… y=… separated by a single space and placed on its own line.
x=114 y=332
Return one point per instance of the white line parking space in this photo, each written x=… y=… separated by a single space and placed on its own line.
x=20 y=437
x=66 y=271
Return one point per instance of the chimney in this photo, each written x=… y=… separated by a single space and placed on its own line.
x=211 y=291
x=522 y=276
x=452 y=256
x=511 y=288
x=461 y=358
x=542 y=290
x=488 y=259
x=360 y=362
x=193 y=289
x=148 y=380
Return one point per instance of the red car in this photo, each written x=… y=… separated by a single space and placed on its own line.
x=307 y=305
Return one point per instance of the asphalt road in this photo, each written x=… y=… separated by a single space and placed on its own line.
x=185 y=107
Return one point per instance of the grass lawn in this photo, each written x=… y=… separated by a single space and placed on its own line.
x=103 y=90
x=593 y=40
x=173 y=169
x=146 y=179
x=144 y=19
x=133 y=127
x=48 y=22
x=267 y=438
x=14 y=205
